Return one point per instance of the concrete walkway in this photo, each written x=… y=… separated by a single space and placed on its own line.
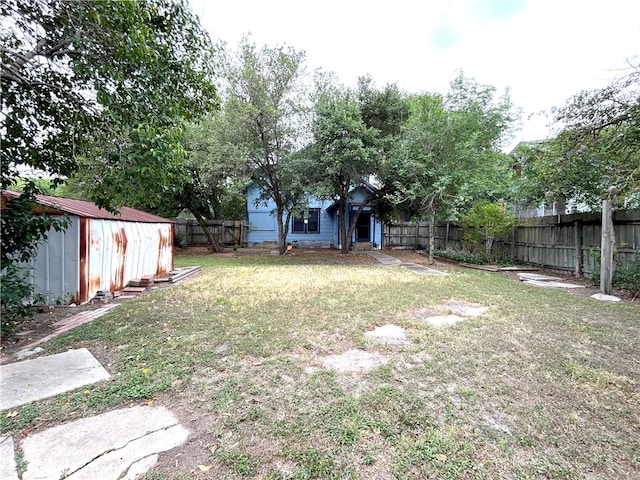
x=32 y=380
x=385 y=259
x=121 y=444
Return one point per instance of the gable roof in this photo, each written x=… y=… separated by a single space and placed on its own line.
x=87 y=209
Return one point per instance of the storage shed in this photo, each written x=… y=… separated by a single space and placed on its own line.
x=99 y=251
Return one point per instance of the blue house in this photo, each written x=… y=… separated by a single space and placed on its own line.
x=317 y=226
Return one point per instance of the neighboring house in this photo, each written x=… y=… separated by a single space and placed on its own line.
x=99 y=251
x=316 y=226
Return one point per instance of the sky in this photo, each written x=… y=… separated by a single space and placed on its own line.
x=543 y=51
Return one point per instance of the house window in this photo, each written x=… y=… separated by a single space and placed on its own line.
x=308 y=222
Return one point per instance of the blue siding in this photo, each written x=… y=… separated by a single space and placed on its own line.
x=263 y=227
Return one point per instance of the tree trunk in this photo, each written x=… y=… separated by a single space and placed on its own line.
x=283 y=219
x=214 y=246
x=432 y=234
x=606 y=247
x=489 y=245
x=342 y=228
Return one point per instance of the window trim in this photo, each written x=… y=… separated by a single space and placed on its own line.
x=300 y=219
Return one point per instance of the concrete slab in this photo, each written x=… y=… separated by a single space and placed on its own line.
x=31 y=380
x=605 y=298
x=550 y=284
x=441 y=320
x=8 y=470
x=389 y=335
x=384 y=258
x=421 y=269
x=118 y=444
x=537 y=276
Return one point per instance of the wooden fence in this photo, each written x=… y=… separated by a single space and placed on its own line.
x=228 y=232
x=559 y=242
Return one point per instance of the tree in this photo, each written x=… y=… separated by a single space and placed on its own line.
x=449 y=151
x=485 y=221
x=352 y=133
x=343 y=153
x=594 y=159
x=265 y=107
x=101 y=82
x=101 y=85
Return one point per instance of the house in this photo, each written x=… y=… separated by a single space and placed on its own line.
x=99 y=251
x=316 y=226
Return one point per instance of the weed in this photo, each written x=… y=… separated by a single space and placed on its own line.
x=238 y=462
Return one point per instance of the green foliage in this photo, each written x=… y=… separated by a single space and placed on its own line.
x=99 y=88
x=21 y=233
x=262 y=123
x=14 y=290
x=485 y=221
x=448 y=154
x=626 y=276
x=344 y=150
x=596 y=154
x=104 y=86
x=463 y=256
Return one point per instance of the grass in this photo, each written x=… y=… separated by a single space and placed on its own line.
x=544 y=385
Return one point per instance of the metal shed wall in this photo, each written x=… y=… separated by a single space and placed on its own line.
x=116 y=252
x=56 y=269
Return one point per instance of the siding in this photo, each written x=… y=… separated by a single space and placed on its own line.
x=56 y=268
x=119 y=252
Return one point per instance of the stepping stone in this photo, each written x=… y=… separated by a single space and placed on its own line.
x=539 y=283
x=389 y=335
x=537 y=276
x=31 y=380
x=605 y=298
x=441 y=320
x=421 y=269
x=384 y=258
x=8 y=463
x=111 y=445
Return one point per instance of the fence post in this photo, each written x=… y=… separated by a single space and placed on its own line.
x=446 y=236
x=606 y=263
x=577 y=235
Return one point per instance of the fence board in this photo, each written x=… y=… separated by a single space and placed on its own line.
x=561 y=242
x=227 y=232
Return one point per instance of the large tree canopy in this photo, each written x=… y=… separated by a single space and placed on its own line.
x=352 y=133
x=104 y=83
x=449 y=150
x=596 y=155
x=98 y=85
x=264 y=106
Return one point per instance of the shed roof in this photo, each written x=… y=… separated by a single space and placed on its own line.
x=85 y=208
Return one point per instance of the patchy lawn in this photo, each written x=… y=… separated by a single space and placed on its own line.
x=266 y=362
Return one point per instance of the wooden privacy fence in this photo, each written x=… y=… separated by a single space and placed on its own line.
x=559 y=242
x=228 y=232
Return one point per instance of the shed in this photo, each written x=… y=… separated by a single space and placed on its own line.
x=99 y=251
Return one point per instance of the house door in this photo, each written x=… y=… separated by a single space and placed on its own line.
x=363 y=227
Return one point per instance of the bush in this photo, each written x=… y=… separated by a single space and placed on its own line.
x=463 y=256
x=14 y=289
x=628 y=277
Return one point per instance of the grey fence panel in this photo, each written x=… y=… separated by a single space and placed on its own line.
x=227 y=232
x=562 y=242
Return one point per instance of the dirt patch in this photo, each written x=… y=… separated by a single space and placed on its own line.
x=354 y=361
